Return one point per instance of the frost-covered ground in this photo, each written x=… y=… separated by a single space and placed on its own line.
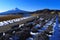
x=13 y=20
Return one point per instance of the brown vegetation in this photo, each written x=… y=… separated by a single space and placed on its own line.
x=9 y=17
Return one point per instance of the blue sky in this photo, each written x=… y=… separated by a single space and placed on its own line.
x=29 y=5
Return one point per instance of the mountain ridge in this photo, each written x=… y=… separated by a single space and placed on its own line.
x=14 y=11
x=18 y=11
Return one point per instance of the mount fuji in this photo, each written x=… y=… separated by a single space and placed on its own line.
x=14 y=11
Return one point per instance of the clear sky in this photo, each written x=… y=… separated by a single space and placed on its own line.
x=29 y=5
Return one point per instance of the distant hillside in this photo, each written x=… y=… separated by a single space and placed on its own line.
x=46 y=12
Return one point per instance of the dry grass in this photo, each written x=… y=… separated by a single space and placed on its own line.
x=34 y=14
x=9 y=17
